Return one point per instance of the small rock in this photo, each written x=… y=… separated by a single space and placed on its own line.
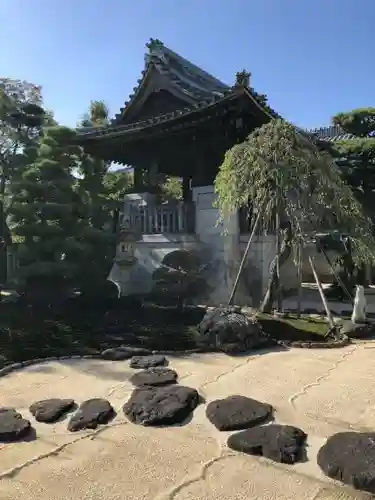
x=137 y=351
x=145 y=362
x=90 y=414
x=237 y=412
x=280 y=443
x=124 y=352
x=50 y=410
x=350 y=458
x=12 y=426
x=161 y=405
x=154 y=377
x=116 y=354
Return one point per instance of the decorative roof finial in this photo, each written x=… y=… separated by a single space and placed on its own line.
x=243 y=79
x=154 y=43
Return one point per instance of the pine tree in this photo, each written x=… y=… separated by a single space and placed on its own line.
x=45 y=213
x=98 y=209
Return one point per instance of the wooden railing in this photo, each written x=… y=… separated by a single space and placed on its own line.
x=176 y=218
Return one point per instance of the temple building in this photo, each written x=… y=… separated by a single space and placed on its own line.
x=180 y=121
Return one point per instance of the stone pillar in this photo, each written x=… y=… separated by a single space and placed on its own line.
x=138 y=178
x=186 y=189
x=153 y=174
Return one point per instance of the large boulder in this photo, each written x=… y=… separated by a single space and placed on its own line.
x=227 y=329
x=350 y=457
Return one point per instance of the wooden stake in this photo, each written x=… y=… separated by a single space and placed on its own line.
x=322 y=296
x=278 y=281
x=299 y=276
x=255 y=226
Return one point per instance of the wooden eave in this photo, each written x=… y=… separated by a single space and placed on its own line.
x=188 y=116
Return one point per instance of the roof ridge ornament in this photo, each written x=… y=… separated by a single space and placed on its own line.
x=243 y=79
x=154 y=43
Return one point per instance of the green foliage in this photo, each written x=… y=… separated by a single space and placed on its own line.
x=179 y=278
x=171 y=189
x=357 y=154
x=45 y=210
x=21 y=120
x=277 y=165
x=97 y=209
x=359 y=122
x=117 y=183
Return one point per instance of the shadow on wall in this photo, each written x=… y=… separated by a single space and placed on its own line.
x=201 y=276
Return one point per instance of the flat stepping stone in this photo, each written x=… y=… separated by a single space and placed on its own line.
x=161 y=405
x=157 y=376
x=50 y=410
x=122 y=353
x=237 y=412
x=280 y=443
x=350 y=458
x=145 y=362
x=13 y=427
x=90 y=414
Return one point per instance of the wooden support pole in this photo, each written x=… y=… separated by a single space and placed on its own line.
x=256 y=223
x=322 y=296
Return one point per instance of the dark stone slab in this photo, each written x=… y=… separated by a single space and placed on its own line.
x=145 y=362
x=237 y=412
x=161 y=405
x=50 y=410
x=350 y=458
x=12 y=426
x=122 y=353
x=280 y=443
x=154 y=377
x=90 y=414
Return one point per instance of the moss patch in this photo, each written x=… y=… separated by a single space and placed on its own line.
x=292 y=328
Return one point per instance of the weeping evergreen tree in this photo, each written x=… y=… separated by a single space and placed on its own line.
x=278 y=170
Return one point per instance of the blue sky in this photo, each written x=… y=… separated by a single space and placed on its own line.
x=312 y=58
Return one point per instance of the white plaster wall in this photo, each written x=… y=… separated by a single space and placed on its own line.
x=261 y=253
x=224 y=247
x=223 y=240
x=149 y=252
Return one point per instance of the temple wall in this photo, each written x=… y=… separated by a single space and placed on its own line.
x=221 y=247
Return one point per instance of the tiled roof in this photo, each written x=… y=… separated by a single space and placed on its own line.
x=201 y=89
x=191 y=79
x=330 y=134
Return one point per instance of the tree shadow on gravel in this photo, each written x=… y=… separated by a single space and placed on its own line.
x=28 y=333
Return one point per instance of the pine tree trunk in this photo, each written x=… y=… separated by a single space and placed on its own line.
x=273 y=285
x=5 y=241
